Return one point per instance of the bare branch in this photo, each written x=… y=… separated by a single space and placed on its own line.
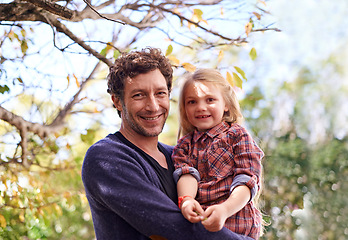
x=182 y=18
x=92 y=8
x=53 y=8
x=63 y=29
x=15 y=11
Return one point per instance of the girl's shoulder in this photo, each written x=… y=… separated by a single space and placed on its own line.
x=236 y=129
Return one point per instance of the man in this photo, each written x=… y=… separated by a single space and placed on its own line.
x=128 y=174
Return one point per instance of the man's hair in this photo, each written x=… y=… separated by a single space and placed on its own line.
x=130 y=65
x=233 y=115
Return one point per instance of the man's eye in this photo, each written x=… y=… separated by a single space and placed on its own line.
x=162 y=93
x=138 y=95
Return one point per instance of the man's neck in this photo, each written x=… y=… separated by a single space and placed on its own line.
x=147 y=144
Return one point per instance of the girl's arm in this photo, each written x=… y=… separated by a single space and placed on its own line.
x=187 y=187
x=216 y=215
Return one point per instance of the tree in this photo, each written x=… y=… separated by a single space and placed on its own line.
x=54 y=57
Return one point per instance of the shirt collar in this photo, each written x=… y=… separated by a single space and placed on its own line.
x=213 y=132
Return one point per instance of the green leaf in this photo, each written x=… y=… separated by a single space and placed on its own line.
x=169 y=50
x=103 y=52
x=241 y=72
x=237 y=80
x=116 y=54
x=253 y=54
x=4 y=88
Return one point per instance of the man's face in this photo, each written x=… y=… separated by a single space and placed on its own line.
x=146 y=104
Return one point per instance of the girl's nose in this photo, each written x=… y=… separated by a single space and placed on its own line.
x=201 y=106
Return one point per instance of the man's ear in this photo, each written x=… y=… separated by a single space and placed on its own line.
x=117 y=102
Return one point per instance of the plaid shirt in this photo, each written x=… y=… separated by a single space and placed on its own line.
x=219 y=155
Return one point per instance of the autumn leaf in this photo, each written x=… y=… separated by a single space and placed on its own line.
x=220 y=56
x=77 y=81
x=253 y=54
x=248 y=28
x=241 y=72
x=229 y=79
x=189 y=67
x=2 y=221
x=197 y=14
x=174 y=60
x=237 y=80
x=169 y=50
x=258 y=15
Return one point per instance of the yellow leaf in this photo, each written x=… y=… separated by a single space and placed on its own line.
x=241 y=72
x=77 y=81
x=68 y=78
x=263 y=2
x=197 y=13
x=189 y=67
x=229 y=79
x=108 y=46
x=220 y=56
x=174 y=60
x=248 y=28
x=253 y=54
x=258 y=15
x=169 y=50
x=237 y=80
x=21 y=216
x=2 y=221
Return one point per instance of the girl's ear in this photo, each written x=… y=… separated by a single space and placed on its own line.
x=226 y=108
x=117 y=102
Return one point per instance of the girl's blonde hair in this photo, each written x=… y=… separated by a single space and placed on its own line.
x=233 y=115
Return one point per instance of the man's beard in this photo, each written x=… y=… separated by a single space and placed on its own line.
x=129 y=118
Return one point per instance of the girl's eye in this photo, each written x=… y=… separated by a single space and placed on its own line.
x=210 y=99
x=190 y=102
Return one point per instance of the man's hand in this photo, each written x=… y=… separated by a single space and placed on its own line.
x=192 y=210
x=215 y=217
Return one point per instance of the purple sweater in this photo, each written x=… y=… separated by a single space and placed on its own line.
x=126 y=202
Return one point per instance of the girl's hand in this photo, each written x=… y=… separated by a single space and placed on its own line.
x=215 y=217
x=192 y=210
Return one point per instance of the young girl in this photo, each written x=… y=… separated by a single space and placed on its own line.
x=218 y=164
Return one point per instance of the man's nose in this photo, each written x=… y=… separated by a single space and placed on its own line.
x=152 y=104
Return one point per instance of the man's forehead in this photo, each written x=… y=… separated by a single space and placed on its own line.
x=147 y=81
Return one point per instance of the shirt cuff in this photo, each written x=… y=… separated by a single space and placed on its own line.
x=243 y=179
x=186 y=170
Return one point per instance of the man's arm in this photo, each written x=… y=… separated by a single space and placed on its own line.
x=130 y=188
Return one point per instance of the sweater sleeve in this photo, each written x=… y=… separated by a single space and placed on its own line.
x=121 y=183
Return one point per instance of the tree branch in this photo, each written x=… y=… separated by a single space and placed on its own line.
x=63 y=29
x=41 y=130
x=53 y=8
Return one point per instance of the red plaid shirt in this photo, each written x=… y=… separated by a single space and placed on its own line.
x=219 y=155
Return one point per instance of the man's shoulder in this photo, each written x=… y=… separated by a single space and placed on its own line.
x=167 y=147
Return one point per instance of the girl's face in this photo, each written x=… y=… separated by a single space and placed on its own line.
x=204 y=105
